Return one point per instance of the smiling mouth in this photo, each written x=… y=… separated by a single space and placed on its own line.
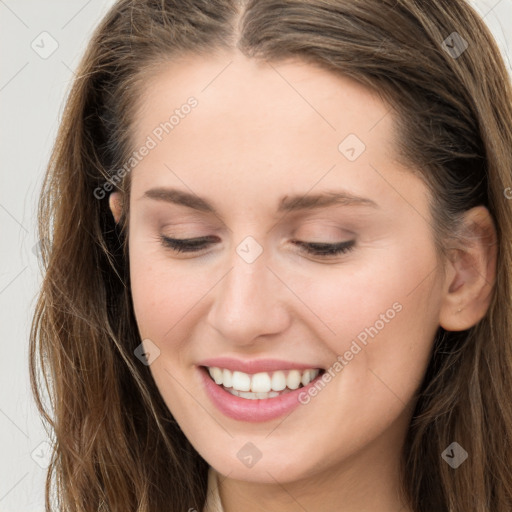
x=262 y=385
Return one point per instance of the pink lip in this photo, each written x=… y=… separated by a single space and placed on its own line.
x=254 y=366
x=244 y=409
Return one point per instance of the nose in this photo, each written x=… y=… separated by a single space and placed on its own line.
x=248 y=303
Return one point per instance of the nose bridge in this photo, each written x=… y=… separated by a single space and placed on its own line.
x=247 y=302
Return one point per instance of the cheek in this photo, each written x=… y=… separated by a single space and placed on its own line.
x=384 y=315
x=164 y=295
x=380 y=314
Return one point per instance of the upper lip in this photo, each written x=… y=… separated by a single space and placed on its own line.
x=254 y=365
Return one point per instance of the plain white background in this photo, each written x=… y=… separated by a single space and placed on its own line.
x=40 y=45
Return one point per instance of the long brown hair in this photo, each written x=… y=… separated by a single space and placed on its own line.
x=117 y=446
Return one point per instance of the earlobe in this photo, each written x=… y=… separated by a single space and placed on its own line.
x=116 y=205
x=470 y=273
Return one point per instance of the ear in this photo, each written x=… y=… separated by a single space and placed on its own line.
x=115 y=203
x=470 y=273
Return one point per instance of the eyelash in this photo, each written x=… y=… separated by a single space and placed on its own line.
x=322 y=250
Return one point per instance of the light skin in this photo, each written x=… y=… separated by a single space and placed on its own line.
x=261 y=132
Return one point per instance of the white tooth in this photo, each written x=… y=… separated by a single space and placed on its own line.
x=260 y=382
x=248 y=394
x=216 y=374
x=278 y=381
x=306 y=377
x=241 y=381
x=255 y=396
x=293 y=379
x=227 y=379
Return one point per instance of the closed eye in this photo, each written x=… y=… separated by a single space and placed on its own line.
x=191 y=245
x=324 y=249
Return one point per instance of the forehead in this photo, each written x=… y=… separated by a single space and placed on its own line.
x=240 y=98
x=263 y=124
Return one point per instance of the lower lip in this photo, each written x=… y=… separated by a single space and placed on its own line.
x=244 y=409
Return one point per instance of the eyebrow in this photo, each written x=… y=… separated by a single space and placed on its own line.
x=293 y=203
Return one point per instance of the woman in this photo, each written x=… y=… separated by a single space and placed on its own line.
x=277 y=261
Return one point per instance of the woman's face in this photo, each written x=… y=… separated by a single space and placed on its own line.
x=254 y=161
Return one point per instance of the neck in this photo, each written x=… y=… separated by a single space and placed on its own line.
x=368 y=480
x=338 y=491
